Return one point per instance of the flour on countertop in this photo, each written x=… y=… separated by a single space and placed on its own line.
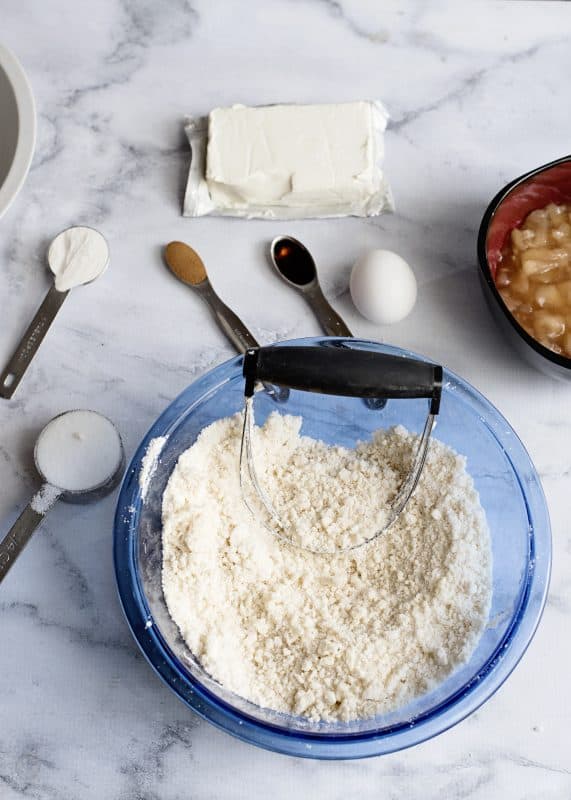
x=330 y=637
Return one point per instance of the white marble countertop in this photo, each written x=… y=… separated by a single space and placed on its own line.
x=478 y=94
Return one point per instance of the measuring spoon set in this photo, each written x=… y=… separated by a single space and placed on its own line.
x=293 y=263
x=79 y=454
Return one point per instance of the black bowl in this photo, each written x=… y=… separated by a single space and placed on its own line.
x=548 y=184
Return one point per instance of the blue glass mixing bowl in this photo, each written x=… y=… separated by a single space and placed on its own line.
x=510 y=493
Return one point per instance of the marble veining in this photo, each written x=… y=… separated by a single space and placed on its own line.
x=478 y=93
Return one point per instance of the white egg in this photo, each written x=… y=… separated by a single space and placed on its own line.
x=383 y=287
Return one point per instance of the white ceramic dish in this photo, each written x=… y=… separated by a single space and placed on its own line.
x=17 y=127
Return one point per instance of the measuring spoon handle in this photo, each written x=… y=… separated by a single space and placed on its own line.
x=329 y=319
x=237 y=333
x=19 y=534
x=228 y=321
x=30 y=342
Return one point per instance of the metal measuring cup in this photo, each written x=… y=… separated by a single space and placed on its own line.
x=79 y=434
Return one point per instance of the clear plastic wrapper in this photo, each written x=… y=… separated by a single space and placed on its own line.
x=367 y=196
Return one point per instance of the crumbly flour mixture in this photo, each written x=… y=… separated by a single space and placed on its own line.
x=330 y=637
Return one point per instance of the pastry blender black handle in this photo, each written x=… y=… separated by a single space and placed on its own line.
x=347 y=372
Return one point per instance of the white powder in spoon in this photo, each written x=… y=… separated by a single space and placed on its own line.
x=78 y=451
x=77 y=255
x=331 y=637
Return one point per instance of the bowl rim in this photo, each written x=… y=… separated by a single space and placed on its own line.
x=26 y=141
x=486 y=272
x=359 y=744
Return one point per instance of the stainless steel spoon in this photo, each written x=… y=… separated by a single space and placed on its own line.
x=45 y=315
x=295 y=265
x=90 y=449
x=188 y=267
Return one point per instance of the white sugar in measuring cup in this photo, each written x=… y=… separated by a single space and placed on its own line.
x=80 y=457
x=76 y=256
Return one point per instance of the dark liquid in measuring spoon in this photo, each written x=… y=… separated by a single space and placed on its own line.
x=294 y=263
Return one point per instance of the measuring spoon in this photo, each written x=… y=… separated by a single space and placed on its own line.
x=188 y=267
x=295 y=265
x=79 y=456
x=76 y=256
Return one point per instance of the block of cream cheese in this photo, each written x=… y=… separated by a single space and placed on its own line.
x=289 y=161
